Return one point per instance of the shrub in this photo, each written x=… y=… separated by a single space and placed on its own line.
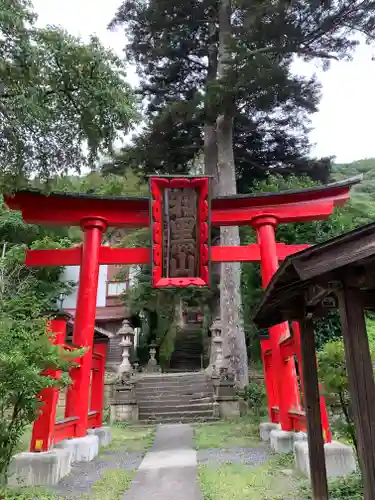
x=332 y=372
x=350 y=487
x=255 y=395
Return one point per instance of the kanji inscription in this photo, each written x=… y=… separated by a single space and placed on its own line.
x=180 y=231
x=181 y=255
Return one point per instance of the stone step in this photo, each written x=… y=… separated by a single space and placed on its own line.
x=183 y=376
x=176 y=415
x=180 y=408
x=173 y=401
x=172 y=398
x=177 y=420
x=178 y=391
x=170 y=382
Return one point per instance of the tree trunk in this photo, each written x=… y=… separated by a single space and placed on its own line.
x=210 y=151
x=234 y=343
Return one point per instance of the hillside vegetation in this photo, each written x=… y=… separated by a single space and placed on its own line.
x=363 y=195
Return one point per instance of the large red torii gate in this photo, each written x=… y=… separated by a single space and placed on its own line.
x=94 y=214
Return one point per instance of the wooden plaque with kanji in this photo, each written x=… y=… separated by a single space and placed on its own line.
x=180 y=231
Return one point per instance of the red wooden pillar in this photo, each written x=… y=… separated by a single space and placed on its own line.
x=83 y=334
x=97 y=383
x=44 y=425
x=283 y=373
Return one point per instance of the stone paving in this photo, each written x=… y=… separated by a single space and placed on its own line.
x=167 y=472
x=169 y=469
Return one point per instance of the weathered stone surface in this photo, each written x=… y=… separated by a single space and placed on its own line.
x=340 y=460
x=104 y=434
x=39 y=469
x=168 y=471
x=82 y=449
x=281 y=441
x=124 y=412
x=265 y=429
x=229 y=408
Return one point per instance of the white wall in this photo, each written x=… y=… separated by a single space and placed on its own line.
x=71 y=273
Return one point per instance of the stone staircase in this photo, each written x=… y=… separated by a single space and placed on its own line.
x=175 y=397
x=188 y=350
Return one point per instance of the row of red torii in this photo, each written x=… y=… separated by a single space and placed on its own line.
x=179 y=223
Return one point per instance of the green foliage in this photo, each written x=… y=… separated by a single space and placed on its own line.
x=349 y=487
x=167 y=345
x=176 y=50
x=255 y=395
x=333 y=374
x=62 y=101
x=26 y=295
x=25 y=348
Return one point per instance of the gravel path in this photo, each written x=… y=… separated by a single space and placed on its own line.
x=244 y=456
x=85 y=474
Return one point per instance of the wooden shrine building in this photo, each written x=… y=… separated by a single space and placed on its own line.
x=338 y=273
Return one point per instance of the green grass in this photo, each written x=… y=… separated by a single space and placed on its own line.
x=112 y=485
x=242 y=432
x=240 y=482
x=130 y=438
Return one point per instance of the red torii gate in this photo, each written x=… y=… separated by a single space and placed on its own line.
x=94 y=214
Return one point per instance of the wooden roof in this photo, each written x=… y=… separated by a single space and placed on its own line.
x=320 y=268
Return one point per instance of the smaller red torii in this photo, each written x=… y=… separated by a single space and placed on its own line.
x=94 y=214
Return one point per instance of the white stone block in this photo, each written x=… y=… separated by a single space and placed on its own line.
x=82 y=449
x=340 y=458
x=104 y=434
x=265 y=429
x=39 y=469
x=281 y=441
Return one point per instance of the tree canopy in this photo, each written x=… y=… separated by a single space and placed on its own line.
x=62 y=102
x=175 y=48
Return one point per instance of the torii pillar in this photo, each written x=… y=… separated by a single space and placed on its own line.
x=77 y=402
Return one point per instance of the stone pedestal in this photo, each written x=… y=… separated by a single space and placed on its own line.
x=104 y=435
x=82 y=449
x=39 y=469
x=226 y=398
x=123 y=402
x=340 y=459
x=281 y=441
x=265 y=429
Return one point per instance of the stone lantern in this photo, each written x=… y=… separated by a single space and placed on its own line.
x=217 y=347
x=152 y=365
x=127 y=337
x=223 y=383
x=123 y=399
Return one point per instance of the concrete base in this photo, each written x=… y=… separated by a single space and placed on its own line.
x=340 y=459
x=229 y=408
x=265 y=429
x=82 y=449
x=124 y=413
x=281 y=441
x=104 y=434
x=39 y=469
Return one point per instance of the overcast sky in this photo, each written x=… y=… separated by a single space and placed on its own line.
x=343 y=127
